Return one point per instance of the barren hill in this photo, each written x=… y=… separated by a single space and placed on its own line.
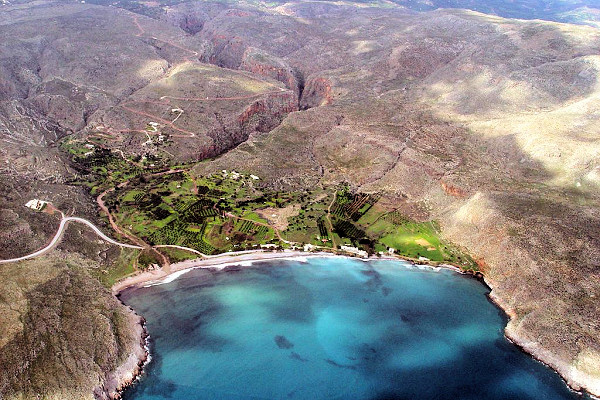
x=488 y=125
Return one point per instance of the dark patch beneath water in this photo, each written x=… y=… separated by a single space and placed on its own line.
x=283 y=343
x=338 y=365
x=233 y=268
x=296 y=356
x=374 y=282
x=400 y=335
x=154 y=383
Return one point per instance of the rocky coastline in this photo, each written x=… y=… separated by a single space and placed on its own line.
x=577 y=380
x=132 y=368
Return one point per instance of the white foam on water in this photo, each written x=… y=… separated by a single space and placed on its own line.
x=175 y=275
x=246 y=263
x=170 y=278
x=300 y=259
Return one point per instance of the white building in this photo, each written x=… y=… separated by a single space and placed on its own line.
x=355 y=250
x=36 y=204
x=309 y=247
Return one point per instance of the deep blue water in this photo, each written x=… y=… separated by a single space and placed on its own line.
x=332 y=328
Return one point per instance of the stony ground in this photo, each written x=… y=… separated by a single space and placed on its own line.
x=485 y=124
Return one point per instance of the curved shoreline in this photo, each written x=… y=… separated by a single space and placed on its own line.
x=220 y=261
x=563 y=369
x=132 y=368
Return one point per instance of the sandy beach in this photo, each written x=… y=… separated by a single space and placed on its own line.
x=226 y=259
x=220 y=261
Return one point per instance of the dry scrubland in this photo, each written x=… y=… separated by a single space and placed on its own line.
x=62 y=333
x=486 y=125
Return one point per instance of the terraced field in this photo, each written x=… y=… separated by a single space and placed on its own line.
x=218 y=213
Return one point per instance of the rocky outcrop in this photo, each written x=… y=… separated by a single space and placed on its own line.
x=528 y=259
x=317 y=92
x=191 y=16
x=580 y=374
x=238 y=13
x=224 y=51
x=260 y=63
x=453 y=190
x=263 y=113
x=191 y=20
x=191 y=23
x=261 y=116
x=127 y=373
x=71 y=333
x=234 y=53
x=68 y=115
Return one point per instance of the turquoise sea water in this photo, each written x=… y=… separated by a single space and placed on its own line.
x=331 y=328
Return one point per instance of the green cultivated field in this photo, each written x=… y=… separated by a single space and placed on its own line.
x=412 y=239
x=178 y=209
x=218 y=213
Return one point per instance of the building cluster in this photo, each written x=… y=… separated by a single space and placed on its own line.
x=355 y=250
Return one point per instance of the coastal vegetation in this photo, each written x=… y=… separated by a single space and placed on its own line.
x=125 y=264
x=184 y=215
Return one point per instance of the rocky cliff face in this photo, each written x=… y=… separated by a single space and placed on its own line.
x=125 y=374
x=224 y=50
x=191 y=18
x=261 y=116
x=263 y=64
x=317 y=92
x=264 y=114
x=235 y=53
x=553 y=319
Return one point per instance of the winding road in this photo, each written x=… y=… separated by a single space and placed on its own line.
x=166 y=265
x=63 y=225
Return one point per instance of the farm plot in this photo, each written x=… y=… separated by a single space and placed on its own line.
x=352 y=206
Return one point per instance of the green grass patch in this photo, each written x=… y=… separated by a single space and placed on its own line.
x=132 y=196
x=412 y=239
x=416 y=239
x=371 y=216
x=163 y=222
x=121 y=268
x=177 y=255
x=254 y=217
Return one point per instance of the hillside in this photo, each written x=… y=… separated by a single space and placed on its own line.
x=487 y=126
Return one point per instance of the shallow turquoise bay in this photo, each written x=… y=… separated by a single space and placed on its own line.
x=331 y=328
